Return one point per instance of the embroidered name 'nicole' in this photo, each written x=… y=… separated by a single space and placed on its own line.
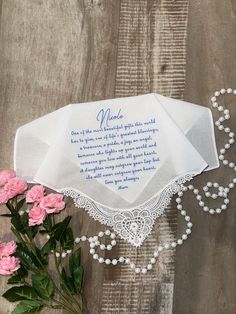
x=104 y=116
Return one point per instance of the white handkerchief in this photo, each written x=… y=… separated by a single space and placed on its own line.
x=120 y=159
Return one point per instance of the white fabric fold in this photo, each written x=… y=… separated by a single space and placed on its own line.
x=121 y=159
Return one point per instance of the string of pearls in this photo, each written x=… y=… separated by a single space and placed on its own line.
x=95 y=241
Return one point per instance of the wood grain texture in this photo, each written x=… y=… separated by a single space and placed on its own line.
x=57 y=52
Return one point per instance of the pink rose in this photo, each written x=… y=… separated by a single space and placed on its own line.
x=8 y=265
x=7 y=248
x=36 y=216
x=4 y=197
x=35 y=194
x=15 y=186
x=52 y=203
x=6 y=175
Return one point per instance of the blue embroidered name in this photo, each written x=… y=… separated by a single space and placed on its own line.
x=105 y=116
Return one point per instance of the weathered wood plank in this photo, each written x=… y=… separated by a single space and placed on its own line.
x=205 y=278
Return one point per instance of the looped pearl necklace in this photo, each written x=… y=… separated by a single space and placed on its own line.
x=222 y=192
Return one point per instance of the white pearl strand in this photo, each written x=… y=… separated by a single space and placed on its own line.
x=222 y=192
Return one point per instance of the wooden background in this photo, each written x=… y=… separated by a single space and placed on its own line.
x=55 y=52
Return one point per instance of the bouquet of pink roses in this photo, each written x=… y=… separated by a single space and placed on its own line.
x=32 y=216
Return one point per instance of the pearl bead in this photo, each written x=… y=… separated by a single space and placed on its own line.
x=137 y=270
x=234 y=91
x=226 y=201
x=132 y=265
x=214 y=196
x=92 y=251
x=107 y=232
x=101 y=260
x=149 y=266
x=206 y=208
x=223 y=206
x=113 y=242
x=155 y=254
x=213 y=99
x=220 y=127
x=195 y=191
x=114 y=261
x=225 y=162
x=160 y=248
x=205 y=188
x=183 y=212
x=217 y=93
x=217 y=123
x=199 y=197
x=77 y=240
x=180 y=241
x=109 y=247
x=184 y=236
x=107 y=261
x=226 y=111
x=179 y=206
x=231 y=141
x=234 y=180
x=222 y=151
x=121 y=259
x=227 y=116
x=218 y=210
x=189 y=224
x=167 y=246
x=101 y=234
x=92 y=245
x=231 y=134
x=221 y=157
x=211 y=211
x=221 y=119
x=153 y=260
x=229 y=90
x=209 y=184
x=188 y=231
x=187 y=218
x=215 y=104
x=222 y=91
x=220 y=108
x=83 y=238
x=180 y=193
x=68 y=251
x=127 y=260
x=227 y=130
x=190 y=187
x=144 y=270
x=201 y=203
x=96 y=243
x=57 y=254
x=95 y=256
x=173 y=244
x=113 y=235
x=95 y=238
x=231 y=165
x=216 y=185
x=178 y=200
x=185 y=188
x=102 y=247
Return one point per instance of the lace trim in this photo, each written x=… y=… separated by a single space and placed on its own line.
x=133 y=224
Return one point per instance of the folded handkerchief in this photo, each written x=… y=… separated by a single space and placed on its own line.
x=120 y=159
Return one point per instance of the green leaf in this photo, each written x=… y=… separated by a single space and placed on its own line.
x=16 y=222
x=43 y=285
x=28 y=307
x=20 y=293
x=76 y=270
x=60 y=227
x=11 y=208
x=47 y=224
x=68 y=281
x=6 y=215
x=19 y=276
x=48 y=246
x=67 y=239
x=78 y=278
x=20 y=204
x=27 y=258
